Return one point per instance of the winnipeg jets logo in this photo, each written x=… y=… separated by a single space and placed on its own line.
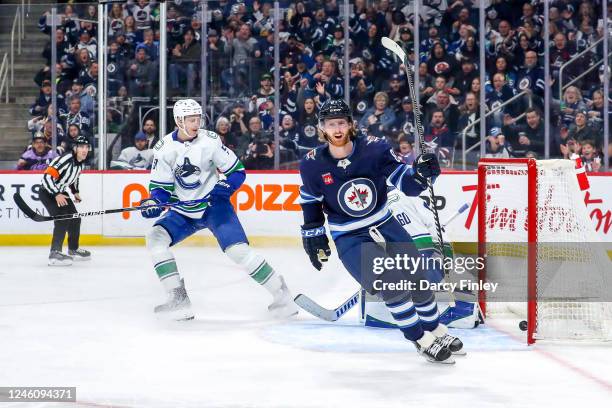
x=187 y=175
x=357 y=197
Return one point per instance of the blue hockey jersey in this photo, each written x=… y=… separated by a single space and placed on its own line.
x=353 y=191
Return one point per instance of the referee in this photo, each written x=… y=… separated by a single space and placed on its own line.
x=63 y=172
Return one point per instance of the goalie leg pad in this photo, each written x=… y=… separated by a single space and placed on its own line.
x=158 y=243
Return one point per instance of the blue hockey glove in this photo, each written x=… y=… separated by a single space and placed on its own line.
x=425 y=166
x=152 y=212
x=222 y=191
x=316 y=244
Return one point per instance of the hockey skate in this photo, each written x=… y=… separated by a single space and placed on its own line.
x=178 y=306
x=79 y=254
x=283 y=305
x=56 y=258
x=432 y=349
x=454 y=344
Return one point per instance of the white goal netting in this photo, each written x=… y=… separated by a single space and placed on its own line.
x=569 y=272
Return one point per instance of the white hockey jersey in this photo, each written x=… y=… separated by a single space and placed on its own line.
x=416 y=218
x=190 y=170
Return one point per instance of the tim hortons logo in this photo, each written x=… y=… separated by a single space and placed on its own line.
x=552 y=216
x=603 y=221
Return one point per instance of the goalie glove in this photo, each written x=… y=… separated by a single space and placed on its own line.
x=316 y=244
x=425 y=166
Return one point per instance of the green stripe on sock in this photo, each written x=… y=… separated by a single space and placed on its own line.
x=166 y=268
x=262 y=273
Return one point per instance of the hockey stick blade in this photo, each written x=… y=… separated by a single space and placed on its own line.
x=30 y=213
x=394 y=48
x=330 y=315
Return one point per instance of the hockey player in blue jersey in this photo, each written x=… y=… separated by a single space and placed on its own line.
x=347 y=179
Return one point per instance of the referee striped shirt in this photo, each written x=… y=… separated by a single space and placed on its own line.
x=63 y=172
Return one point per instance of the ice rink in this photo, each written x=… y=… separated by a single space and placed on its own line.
x=91 y=326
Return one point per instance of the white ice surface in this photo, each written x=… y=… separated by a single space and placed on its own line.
x=91 y=326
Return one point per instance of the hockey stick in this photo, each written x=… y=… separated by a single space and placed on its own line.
x=331 y=315
x=29 y=212
x=396 y=49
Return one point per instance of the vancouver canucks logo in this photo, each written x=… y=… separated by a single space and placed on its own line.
x=357 y=197
x=187 y=175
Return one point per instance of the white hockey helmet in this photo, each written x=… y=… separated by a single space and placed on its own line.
x=184 y=108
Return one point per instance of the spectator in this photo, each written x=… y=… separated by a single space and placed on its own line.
x=404 y=120
x=143 y=14
x=527 y=137
x=500 y=94
x=137 y=157
x=150 y=130
x=69 y=141
x=88 y=43
x=437 y=133
x=596 y=112
x=463 y=80
x=581 y=131
x=469 y=114
x=501 y=67
x=63 y=81
x=561 y=53
x=150 y=46
x=86 y=96
x=132 y=35
x=75 y=116
x=571 y=103
x=531 y=76
x=260 y=154
x=591 y=159
x=141 y=74
x=242 y=47
x=62 y=45
x=264 y=92
x=440 y=63
x=496 y=145
x=308 y=122
x=115 y=68
x=378 y=119
x=288 y=138
x=396 y=92
x=116 y=16
x=47 y=131
x=426 y=82
x=334 y=85
x=184 y=62
x=89 y=76
x=39 y=107
x=37 y=156
x=450 y=110
x=37 y=123
x=216 y=53
x=230 y=139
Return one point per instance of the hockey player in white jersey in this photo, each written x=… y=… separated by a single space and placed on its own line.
x=186 y=166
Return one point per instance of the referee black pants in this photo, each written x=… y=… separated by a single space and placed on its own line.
x=72 y=226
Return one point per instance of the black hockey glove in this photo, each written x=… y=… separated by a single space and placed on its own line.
x=425 y=166
x=316 y=244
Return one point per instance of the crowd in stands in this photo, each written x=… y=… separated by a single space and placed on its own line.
x=240 y=50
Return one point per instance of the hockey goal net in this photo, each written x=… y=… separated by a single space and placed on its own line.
x=540 y=246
